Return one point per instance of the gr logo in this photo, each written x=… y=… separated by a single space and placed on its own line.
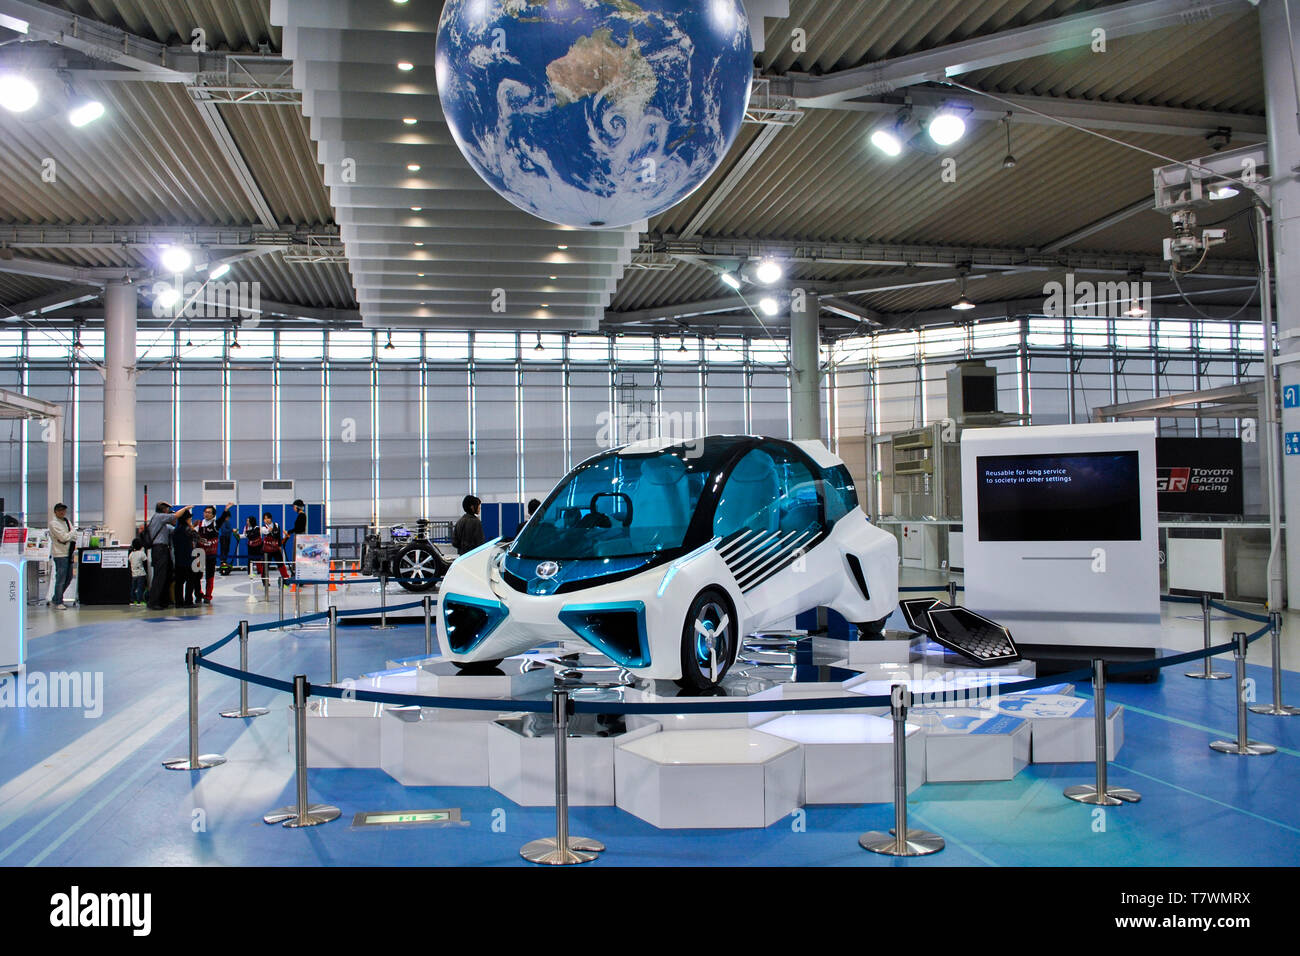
x=1173 y=479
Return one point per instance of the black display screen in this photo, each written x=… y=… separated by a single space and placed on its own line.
x=1086 y=496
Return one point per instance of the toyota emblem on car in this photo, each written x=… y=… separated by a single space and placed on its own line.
x=547 y=570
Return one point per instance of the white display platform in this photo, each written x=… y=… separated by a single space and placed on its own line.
x=733 y=777
x=427 y=747
x=965 y=745
x=661 y=692
x=849 y=758
x=513 y=677
x=1062 y=726
x=900 y=648
x=521 y=759
x=346 y=733
x=930 y=689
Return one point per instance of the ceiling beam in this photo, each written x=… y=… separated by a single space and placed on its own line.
x=123 y=236
x=735 y=176
x=1105 y=222
x=1006 y=46
x=58 y=270
x=72 y=295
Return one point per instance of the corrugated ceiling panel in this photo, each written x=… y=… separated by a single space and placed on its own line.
x=228 y=24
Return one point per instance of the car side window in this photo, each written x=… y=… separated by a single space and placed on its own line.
x=769 y=490
x=841 y=495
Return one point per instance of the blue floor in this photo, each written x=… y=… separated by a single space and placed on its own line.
x=90 y=791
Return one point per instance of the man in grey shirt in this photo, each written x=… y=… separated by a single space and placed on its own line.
x=159 y=535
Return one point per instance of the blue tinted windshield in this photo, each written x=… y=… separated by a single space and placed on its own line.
x=617 y=506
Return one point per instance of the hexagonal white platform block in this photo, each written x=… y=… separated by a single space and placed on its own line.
x=521 y=758
x=346 y=733
x=897 y=647
x=969 y=744
x=849 y=758
x=735 y=687
x=513 y=677
x=1063 y=727
x=732 y=777
x=428 y=747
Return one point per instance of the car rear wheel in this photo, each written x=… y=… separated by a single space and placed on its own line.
x=419 y=566
x=709 y=640
x=872 y=630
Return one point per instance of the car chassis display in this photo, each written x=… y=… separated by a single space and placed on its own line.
x=408 y=556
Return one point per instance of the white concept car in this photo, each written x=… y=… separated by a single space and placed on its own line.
x=662 y=556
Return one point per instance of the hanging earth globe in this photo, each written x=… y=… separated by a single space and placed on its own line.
x=594 y=113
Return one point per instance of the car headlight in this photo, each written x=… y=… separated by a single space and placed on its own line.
x=467 y=621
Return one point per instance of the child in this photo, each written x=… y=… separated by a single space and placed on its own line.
x=135 y=558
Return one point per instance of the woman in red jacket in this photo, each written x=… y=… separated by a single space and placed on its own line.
x=272 y=545
x=208 y=537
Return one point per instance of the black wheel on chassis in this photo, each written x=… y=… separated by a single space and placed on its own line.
x=872 y=630
x=419 y=566
x=709 y=640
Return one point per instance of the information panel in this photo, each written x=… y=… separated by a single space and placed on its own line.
x=1200 y=476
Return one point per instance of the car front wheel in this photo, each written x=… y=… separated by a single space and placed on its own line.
x=709 y=640
x=419 y=567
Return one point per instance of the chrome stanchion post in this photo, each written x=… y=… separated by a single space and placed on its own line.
x=428 y=625
x=383 y=624
x=281 y=627
x=304 y=814
x=902 y=842
x=297 y=601
x=244 y=709
x=333 y=613
x=561 y=849
x=1101 y=795
x=1277 y=708
x=952 y=593
x=1243 y=746
x=1207 y=672
x=195 y=760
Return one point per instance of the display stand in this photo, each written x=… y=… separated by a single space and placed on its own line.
x=1207 y=671
x=901 y=841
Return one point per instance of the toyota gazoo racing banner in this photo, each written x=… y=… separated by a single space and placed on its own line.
x=1199 y=475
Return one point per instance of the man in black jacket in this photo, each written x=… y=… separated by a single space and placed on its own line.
x=158 y=534
x=299 y=527
x=468 y=531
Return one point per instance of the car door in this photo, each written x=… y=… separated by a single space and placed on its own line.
x=770 y=516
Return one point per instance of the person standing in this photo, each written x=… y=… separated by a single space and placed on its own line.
x=253 y=535
x=299 y=527
x=468 y=531
x=62 y=539
x=208 y=535
x=229 y=535
x=158 y=538
x=272 y=545
x=184 y=556
x=139 y=577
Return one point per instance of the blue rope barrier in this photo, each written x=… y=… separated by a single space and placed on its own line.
x=235 y=672
x=943 y=588
x=1179 y=599
x=218 y=645
x=1239 y=612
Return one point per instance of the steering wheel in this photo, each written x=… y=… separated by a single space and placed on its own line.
x=595 y=519
x=626 y=521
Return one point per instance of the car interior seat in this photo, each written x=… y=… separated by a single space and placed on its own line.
x=749 y=498
x=661 y=504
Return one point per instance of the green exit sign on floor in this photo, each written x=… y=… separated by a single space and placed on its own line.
x=390 y=818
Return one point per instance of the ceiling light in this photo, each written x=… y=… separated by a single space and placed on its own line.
x=946 y=127
x=887 y=141
x=769 y=271
x=168 y=297
x=219 y=271
x=406 y=66
x=417 y=243
x=1223 y=191
x=1008 y=161
x=545 y=305
x=399 y=2
x=17 y=93
x=552 y=277
x=730 y=280
x=84 y=110
x=388 y=346
x=539 y=347
x=681 y=343
x=420 y=275
x=188 y=343
x=768 y=305
x=963 y=303
x=416 y=208
x=234 y=336
x=413 y=167
x=561 y=248
x=176 y=259
x=1135 y=311
x=409 y=120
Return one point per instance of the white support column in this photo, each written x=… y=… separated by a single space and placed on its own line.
x=1284 y=158
x=805 y=372
x=53 y=470
x=119 y=409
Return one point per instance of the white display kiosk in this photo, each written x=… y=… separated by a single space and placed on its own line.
x=1060 y=540
x=13 y=609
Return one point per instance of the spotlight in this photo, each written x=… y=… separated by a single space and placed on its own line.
x=1135 y=311
x=168 y=297
x=17 y=93
x=416 y=208
x=176 y=259
x=769 y=271
x=84 y=110
x=1222 y=191
x=561 y=248
x=234 y=336
x=409 y=120
x=219 y=271
x=730 y=280
x=946 y=126
x=1008 y=161
x=539 y=347
x=887 y=141
x=406 y=66
x=768 y=305
x=681 y=343
x=413 y=167
x=388 y=346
